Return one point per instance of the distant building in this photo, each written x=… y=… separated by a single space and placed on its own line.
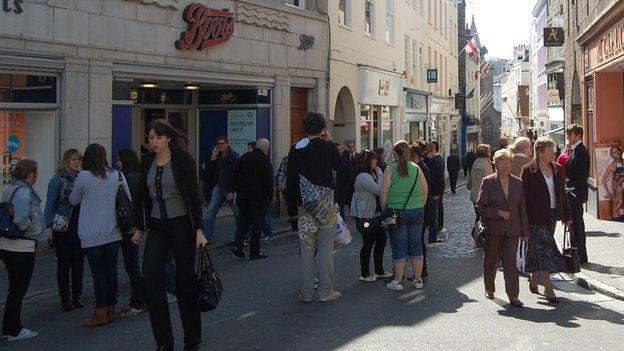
x=514 y=94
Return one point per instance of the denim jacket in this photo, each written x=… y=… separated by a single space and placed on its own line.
x=27 y=212
x=55 y=203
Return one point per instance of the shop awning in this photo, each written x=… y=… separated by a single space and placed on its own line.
x=416 y=117
x=554 y=131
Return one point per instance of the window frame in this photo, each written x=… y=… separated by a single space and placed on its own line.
x=347 y=14
x=302 y=4
x=372 y=28
x=390 y=32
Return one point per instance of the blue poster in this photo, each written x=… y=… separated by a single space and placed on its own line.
x=241 y=126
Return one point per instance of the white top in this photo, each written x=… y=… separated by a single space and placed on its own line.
x=17 y=245
x=550 y=182
x=576 y=144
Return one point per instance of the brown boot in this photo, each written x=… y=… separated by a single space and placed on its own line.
x=99 y=317
x=110 y=313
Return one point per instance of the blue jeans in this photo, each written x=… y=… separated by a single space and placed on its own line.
x=217 y=198
x=103 y=262
x=433 y=210
x=405 y=240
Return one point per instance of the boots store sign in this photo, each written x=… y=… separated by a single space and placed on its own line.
x=206 y=27
x=14 y=6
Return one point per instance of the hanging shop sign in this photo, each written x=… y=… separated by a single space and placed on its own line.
x=12 y=6
x=553 y=36
x=206 y=27
x=432 y=75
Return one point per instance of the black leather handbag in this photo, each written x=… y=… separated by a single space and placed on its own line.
x=479 y=233
x=8 y=228
x=124 y=209
x=209 y=284
x=570 y=254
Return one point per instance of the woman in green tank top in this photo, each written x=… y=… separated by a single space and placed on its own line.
x=404 y=189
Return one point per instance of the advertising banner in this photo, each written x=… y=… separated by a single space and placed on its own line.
x=610 y=169
x=241 y=129
x=12 y=141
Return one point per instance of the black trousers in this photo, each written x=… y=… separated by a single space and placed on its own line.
x=373 y=236
x=441 y=213
x=20 y=266
x=577 y=230
x=251 y=215
x=130 y=253
x=175 y=235
x=453 y=180
x=465 y=168
x=69 y=263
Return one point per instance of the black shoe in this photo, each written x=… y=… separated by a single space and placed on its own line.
x=191 y=347
x=237 y=252
x=260 y=255
x=552 y=300
x=66 y=303
x=77 y=303
x=436 y=241
x=164 y=348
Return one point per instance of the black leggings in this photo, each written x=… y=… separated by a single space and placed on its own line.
x=166 y=235
x=374 y=236
x=20 y=267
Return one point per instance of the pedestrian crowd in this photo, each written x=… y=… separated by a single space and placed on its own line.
x=519 y=195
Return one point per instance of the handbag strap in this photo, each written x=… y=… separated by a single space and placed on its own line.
x=412 y=189
x=565 y=237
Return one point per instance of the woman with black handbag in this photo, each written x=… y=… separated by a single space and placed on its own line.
x=169 y=207
x=365 y=209
x=403 y=195
x=544 y=193
x=95 y=189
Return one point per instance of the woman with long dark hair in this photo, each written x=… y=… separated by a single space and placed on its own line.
x=95 y=189
x=128 y=163
x=62 y=227
x=169 y=206
x=404 y=192
x=365 y=209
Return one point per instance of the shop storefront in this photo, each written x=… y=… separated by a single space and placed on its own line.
x=379 y=100
x=117 y=68
x=442 y=116
x=603 y=111
x=416 y=114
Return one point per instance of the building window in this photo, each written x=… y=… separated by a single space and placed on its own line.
x=406 y=46
x=414 y=61
x=369 y=17
x=429 y=11
x=390 y=21
x=297 y=3
x=344 y=12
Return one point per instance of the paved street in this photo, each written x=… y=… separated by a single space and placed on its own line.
x=260 y=311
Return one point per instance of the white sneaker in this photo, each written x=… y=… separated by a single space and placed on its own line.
x=23 y=335
x=370 y=278
x=385 y=275
x=418 y=284
x=394 y=285
x=444 y=230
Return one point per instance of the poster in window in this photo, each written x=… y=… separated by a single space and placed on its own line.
x=13 y=141
x=610 y=167
x=242 y=128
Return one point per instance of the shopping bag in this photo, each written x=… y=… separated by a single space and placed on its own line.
x=209 y=284
x=521 y=256
x=343 y=234
x=570 y=253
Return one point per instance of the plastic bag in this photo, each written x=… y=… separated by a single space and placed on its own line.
x=343 y=234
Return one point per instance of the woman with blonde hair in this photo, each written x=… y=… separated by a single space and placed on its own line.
x=62 y=229
x=521 y=150
x=481 y=169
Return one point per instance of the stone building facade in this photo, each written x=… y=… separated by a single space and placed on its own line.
x=76 y=72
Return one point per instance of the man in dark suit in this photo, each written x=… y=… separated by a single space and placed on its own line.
x=435 y=162
x=346 y=178
x=453 y=167
x=576 y=186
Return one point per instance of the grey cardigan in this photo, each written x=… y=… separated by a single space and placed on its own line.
x=363 y=204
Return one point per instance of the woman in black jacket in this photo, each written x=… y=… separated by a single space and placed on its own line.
x=168 y=205
x=128 y=163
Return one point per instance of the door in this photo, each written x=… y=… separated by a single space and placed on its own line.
x=179 y=120
x=298 y=109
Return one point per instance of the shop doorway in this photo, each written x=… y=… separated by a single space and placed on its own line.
x=298 y=109
x=179 y=119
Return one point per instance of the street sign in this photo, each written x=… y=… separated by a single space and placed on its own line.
x=432 y=75
x=460 y=101
x=553 y=36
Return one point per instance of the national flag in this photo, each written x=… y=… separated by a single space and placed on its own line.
x=471 y=48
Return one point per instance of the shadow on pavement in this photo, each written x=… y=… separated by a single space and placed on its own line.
x=603 y=234
x=595 y=267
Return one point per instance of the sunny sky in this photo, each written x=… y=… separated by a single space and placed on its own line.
x=502 y=24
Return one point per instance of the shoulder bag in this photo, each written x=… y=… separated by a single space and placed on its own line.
x=392 y=217
x=570 y=254
x=124 y=209
x=8 y=228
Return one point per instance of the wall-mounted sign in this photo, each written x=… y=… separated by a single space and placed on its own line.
x=384 y=87
x=553 y=96
x=206 y=27
x=12 y=6
x=306 y=41
x=607 y=48
x=553 y=36
x=241 y=129
x=432 y=75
